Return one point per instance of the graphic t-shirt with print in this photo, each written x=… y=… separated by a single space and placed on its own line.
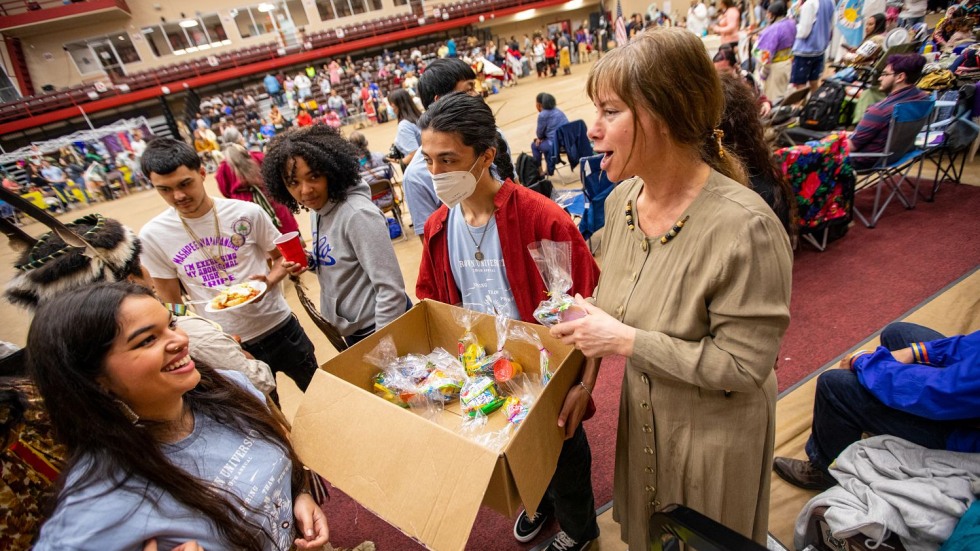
x=482 y=283
x=246 y=237
x=257 y=471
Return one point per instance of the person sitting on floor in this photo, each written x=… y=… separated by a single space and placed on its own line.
x=897 y=81
x=918 y=385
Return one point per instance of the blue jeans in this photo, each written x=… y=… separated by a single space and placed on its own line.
x=543 y=149
x=843 y=410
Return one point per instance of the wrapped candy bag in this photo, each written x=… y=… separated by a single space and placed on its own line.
x=522 y=391
x=408 y=381
x=522 y=333
x=446 y=379
x=554 y=262
x=480 y=395
x=469 y=349
x=391 y=383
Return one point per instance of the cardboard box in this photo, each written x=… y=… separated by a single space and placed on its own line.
x=421 y=475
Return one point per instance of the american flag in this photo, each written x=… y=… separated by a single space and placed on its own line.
x=621 y=37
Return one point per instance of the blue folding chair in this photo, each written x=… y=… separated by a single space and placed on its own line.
x=892 y=165
x=595 y=188
x=572 y=140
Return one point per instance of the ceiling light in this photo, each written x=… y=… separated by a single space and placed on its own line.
x=188 y=23
x=266 y=7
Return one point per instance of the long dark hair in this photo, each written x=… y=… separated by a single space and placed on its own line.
x=404 y=105
x=67 y=346
x=745 y=137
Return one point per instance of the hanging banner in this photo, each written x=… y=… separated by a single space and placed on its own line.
x=850 y=21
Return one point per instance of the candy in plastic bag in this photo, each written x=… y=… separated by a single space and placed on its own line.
x=480 y=394
x=554 y=262
x=469 y=349
x=389 y=383
x=446 y=379
x=522 y=333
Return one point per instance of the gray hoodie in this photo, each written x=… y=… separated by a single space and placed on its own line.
x=360 y=282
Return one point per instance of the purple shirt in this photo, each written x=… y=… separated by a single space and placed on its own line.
x=872 y=132
x=775 y=38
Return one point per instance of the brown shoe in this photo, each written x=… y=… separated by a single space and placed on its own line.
x=802 y=474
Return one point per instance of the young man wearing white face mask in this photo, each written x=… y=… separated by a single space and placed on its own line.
x=475 y=253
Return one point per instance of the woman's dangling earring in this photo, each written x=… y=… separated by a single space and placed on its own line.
x=127 y=411
x=719 y=134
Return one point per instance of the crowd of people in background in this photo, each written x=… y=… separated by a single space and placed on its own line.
x=685 y=153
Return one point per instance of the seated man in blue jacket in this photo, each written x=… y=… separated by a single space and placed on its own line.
x=919 y=386
x=550 y=118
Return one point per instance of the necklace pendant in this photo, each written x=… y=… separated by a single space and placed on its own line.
x=478 y=255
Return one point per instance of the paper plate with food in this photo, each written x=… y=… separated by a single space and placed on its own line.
x=236 y=296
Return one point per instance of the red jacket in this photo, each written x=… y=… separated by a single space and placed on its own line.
x=229 y=186
x=523 y=217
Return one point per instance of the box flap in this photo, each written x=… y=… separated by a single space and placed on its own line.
x=431 y=489
x=532 y=453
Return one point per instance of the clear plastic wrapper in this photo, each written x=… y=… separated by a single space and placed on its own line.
x=446 y=378
x=480 y=395
x=469 y=349
x=522 y=392
x=554 y=262
x=521 y=333
x=390 y=383
x=416 y=381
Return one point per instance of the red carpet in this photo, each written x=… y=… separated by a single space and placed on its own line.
x=840 y=297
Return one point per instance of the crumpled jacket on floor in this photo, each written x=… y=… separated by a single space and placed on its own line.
x=888 y=484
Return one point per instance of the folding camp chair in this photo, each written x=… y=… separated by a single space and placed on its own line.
x=383 y=195
x=947 y=141
x=572 y=140
x=676 y=523
x=595 y=187
x=823 y=184
x=786 y=114
x=892 y=165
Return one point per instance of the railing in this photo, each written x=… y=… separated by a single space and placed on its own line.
x=14 y=7
x=78 y=96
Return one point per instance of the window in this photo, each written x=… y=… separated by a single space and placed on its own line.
x=8 y=92
x=401 y=2
x=325 y=8
x=103 y=54
x=335 y=9
x=187 y=36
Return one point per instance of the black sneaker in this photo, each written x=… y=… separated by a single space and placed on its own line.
x=526 y=528
x=563 y=542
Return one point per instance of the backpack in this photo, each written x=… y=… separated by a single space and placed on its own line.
x=530 y=175
x=822 y=111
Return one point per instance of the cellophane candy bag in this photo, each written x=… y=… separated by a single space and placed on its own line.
x=469 y=349
x=445 y=380
x=554 y=262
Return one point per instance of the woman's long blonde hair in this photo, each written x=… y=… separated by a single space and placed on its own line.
x=666 y=71
x=248 y=172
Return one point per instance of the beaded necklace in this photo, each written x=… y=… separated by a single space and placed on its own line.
x=678 y=226
x=218 y=260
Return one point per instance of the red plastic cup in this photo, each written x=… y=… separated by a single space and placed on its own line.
x=291 y=248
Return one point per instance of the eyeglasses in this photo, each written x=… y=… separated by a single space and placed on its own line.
x=887 y=74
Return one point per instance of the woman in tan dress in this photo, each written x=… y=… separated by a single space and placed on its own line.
x=696 y=274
